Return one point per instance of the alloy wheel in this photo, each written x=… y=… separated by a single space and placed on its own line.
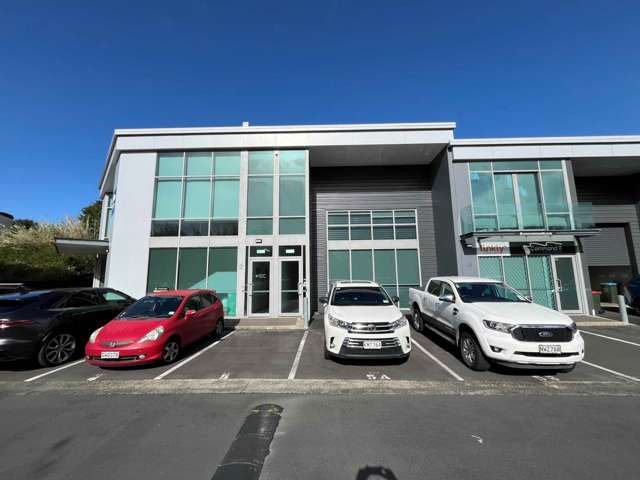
x=60 y=348
x=219 y=329
x=468 y=351
x=170 y=351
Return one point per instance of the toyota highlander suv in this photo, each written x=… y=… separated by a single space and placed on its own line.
x=362 y=321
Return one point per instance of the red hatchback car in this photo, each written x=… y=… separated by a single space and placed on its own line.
x=156 y=328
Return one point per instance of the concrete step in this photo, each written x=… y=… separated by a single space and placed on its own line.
x=265 y=323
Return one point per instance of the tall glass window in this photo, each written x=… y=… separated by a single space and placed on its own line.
x=372 y=225
x=196 y=194
x=519 y=195
x=192 y=268
x=162 y=269
x=339 y=265
x=260 y=193
x=293 y=200
x=223 y=276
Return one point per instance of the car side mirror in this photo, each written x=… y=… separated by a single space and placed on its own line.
x=447 y=297
x=528 y=298
x=189 y=313
x=395 y=299
x=323 y=300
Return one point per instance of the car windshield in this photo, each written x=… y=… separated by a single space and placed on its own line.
x=488 y=292
x=352 y=296
x=152 y=307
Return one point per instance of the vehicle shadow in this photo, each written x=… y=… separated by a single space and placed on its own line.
x=377 y=472
x=495 y=368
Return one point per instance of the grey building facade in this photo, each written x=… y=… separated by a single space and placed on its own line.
x=269 y=216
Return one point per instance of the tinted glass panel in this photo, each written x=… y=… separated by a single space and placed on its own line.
x=406 y=232
x=192 y=271
x=260 y=197
x=555 y=197
x=170 y=165
x=162 y=268
x=224 y=228
x=408 y=273
x=164 y=228
x=338 y=233
x=482 y=192
x=339 y=265
x=199 y=164
x=480 y=166
x=530 y=203
x=167 y=204
x=223 y=275
x=361 y=265
x=407 y=216
x=196 y=199
x=385 y=266
x=292 y=197
x=227 y=163
x=383 y=217
x=550 y=164
x=226 y=198
x=383 y=233
x=360 y=233
x=338 y=219
x=507 y=214
x=194 y=228
x=360 y=218
x=516 y=165
x=260 y=162
x=490 y=267
x=291 y=226
x=292 y=161
x=259 y=226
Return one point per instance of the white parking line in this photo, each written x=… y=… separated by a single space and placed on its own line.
x=54 y=371
x=195 y=355
x=628 y=377
x=432 y=357
x=611 y=338
x=296 y=360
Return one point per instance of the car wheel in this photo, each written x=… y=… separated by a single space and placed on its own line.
x=219 y=330
x=57 y=349
x=416 y=320
x=472 y=354
x=171 y=350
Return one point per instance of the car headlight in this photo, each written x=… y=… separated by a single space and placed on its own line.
x=399 y=323
x=336 y=322
x=499 y=326
x=573 y=327
x=153 y=335
x=94 y=335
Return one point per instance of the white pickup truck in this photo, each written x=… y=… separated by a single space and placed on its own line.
x=491 y=322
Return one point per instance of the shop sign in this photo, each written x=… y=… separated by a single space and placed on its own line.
x=495 y=248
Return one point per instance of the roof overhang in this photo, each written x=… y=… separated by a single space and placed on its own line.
x=472 y=238
x=77 y=247
x=590 y=156
x=329 y=145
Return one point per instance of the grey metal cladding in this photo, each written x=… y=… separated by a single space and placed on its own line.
x=383 y=188
x=614 y=201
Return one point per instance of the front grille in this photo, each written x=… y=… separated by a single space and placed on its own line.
x=116 y=343
x=373 y=328
x=121 y=359
x=535 y=354
x=541 y=333
x=359 y=342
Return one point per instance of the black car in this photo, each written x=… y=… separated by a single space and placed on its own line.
x=632 y=292
x=52 y=325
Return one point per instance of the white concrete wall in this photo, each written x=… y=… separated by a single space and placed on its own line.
x=129 y=247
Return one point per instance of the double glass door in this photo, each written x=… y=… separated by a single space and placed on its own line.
x=275 y=286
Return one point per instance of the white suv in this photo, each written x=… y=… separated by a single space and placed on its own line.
x=362 y=321
x=491 y=322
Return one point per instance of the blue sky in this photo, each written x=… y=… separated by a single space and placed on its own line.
x=73 y=72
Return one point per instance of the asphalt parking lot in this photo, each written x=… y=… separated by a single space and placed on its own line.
x=612 y=356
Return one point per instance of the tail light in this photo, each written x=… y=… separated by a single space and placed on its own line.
x=6 y=323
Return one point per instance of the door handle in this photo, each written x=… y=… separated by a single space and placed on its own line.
x=455 y=311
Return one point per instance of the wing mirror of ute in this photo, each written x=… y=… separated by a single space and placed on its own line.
x=528 y=298
x=189 y=313
x=447 y=297
x=323 y=300
x=395 y=299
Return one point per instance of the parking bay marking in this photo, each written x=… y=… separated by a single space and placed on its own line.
x=296 y=360
x=611 y=338
x=195 y=355
x=628 y=377
x=432 y=357
x=54 y=371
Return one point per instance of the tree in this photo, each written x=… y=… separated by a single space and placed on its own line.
x=90 y=217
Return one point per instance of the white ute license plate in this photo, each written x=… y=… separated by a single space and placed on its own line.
x=372 y=344
x=549 y=349
x=109 y=355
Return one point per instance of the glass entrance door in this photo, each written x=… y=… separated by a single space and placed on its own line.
x=566 y=284
x=290 y=280
x=260 y=287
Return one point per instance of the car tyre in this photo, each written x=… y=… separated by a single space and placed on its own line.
x=416 y=320
x=219 y=329
x=57 y=349
x=171 y=350
x=472 y=354
x=327 y=353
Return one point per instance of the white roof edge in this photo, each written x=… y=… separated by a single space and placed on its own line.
x=286 y=128
x=546 y=140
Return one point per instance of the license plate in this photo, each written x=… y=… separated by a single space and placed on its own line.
x=372 y=344
x=109 y=355
x=549 y=349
